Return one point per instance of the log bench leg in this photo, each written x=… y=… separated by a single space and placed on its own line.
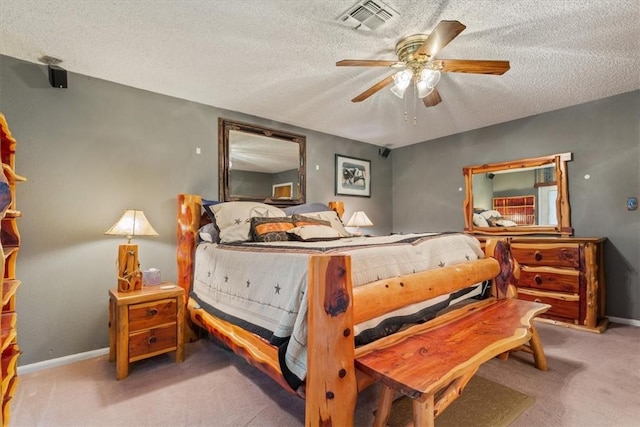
x=534 y=347
x=540 y=360
x=423 y=412
x=384 y=408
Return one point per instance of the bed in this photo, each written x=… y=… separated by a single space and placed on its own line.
x=298 y=310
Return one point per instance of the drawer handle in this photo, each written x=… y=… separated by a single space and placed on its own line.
x=538 y=279
x=152 y=340
x=152 y=312
x=538 y=256
x=537 y=300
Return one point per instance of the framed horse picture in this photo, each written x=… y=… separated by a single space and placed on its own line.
x=353 y=176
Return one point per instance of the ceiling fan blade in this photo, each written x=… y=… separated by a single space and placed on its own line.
x=368 y=63
x=373 y=89
x=432 y=99
x=441 y=36
x=475 y=66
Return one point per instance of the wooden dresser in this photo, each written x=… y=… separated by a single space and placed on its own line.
x=10 y=245
x=568 y=274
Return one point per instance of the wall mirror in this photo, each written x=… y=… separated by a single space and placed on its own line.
x=256 y=163
x=526 y=196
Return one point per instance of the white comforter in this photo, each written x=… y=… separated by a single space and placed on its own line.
x=264 y=284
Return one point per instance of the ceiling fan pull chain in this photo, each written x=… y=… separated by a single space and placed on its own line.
x=406 y=114
x=415 y=102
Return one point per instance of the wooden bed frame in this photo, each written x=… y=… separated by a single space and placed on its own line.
x=333 y=381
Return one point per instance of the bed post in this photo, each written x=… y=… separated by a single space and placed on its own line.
x=189 y=208
x=331 y=389
x=505 y=283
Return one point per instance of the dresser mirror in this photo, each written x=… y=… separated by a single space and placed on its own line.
x=256 y=163
x=526 y=196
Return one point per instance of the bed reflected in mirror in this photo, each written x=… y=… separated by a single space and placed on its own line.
x=260 y=164
x=525 y=196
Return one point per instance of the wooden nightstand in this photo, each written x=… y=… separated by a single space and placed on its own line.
x=145 y=323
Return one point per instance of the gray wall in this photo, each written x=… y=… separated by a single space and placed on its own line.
x=604 y=137
x=97 y=148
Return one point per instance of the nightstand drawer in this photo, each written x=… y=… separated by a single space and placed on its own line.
x=550 y=279
x=148 y=315
x=562 y=305
x=554 y=255
x=152 y=341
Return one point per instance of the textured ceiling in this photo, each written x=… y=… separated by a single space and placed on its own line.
x=276 y=58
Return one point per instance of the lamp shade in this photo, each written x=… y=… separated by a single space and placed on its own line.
x=359 y=219
x=132 y=223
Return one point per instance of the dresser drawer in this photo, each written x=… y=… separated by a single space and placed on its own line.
x=553 y=255
x=562 y=305
x=152 y=341
x=148 y=315
x=550 y=279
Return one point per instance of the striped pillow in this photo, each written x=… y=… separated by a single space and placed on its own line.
x=270 y=229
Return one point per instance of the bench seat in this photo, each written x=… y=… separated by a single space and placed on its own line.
x=445 y=353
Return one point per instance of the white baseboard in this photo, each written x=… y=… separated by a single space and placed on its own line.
x=631 y=322
x=38 y=366
x=52 y=363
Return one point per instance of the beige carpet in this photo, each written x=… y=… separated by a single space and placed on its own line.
x=483 y=403
x=593 y=381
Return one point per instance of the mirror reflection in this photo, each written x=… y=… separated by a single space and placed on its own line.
x=525 y=196
x=262 y=167
x=260 y=164
x=520 y=197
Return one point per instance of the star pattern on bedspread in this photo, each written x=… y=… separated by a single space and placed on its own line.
x=248 y=283
x=277 y=287
x=441 y=264
x=226 y=278
x=237 y=221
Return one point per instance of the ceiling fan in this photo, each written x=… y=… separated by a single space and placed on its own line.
x=416 y=58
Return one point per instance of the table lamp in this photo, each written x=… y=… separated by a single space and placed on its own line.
x=359 y=219
x=132 y=223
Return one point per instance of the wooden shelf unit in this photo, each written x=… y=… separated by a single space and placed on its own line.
x=519 y=209
x=10 y=246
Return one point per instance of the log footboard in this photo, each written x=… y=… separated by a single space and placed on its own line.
x=333 y=382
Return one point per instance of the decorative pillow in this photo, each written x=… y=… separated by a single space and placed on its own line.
x=306 y=208
x=479 y=220
x=300 y=220
x=493 y=220
x=314 y=233
x=209 y=233
x=206 y=206
x=333 y=219
x=505 y=223
x=270 y=229
x=233 y=219
x=492 y=213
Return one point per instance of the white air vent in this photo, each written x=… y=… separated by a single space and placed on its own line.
x=368 y=15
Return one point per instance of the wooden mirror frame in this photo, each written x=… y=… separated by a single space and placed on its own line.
x=563 y=227
x=224 y=190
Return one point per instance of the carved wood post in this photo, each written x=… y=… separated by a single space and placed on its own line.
x=189 y=207
x=504 y=284
x=331 y=379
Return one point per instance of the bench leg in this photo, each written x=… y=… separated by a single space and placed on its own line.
x=539 y=358
x=423 y=412
x=384 y=407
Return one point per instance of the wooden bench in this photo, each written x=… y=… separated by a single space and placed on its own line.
x=431 y=363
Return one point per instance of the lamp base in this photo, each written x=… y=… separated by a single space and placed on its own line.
x=129 y=274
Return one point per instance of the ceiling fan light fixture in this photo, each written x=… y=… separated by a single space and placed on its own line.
x=401 y=80
x=430 y=77
x=423 y=89
x=399 y=92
